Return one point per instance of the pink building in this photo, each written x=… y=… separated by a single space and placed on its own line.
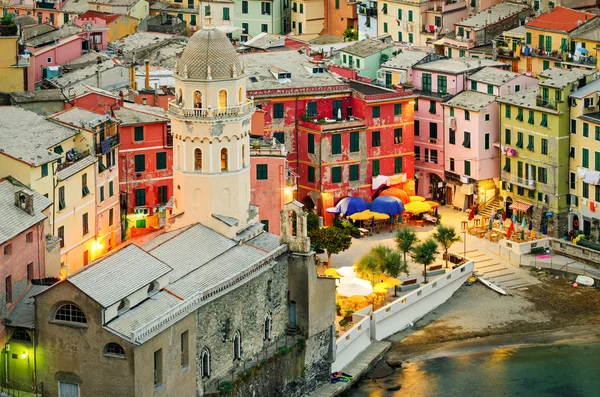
x=471 y=123
x=97 y=35
x=272 y=183
x=436 y=82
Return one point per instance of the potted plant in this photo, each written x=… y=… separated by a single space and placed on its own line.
x=348 y=312
x=338 y=309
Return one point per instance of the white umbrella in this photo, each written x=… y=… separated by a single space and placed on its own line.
x=347 y=271
x=339 y=115
x=349 y=289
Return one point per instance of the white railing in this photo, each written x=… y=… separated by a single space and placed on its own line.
x=354 y=340
x=193 y=302
x=399 y=314
x=218 y=113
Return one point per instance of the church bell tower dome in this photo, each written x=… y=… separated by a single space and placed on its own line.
x=209 y=55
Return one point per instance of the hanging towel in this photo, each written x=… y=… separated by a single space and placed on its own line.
x=581 y=172
x=379 y=181
x=592 y=177
x=396 y=179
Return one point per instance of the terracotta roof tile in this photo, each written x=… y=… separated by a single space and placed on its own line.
x=101 y=15
x=560 y=18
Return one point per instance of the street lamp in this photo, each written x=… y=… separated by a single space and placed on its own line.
x=465 y=244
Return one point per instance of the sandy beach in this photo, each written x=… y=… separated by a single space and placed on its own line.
x=478 y=318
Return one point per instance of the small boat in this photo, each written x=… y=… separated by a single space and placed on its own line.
x=492 y=286
x=471 y=280
x=584 y=280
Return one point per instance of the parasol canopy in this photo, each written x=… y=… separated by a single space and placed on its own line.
x=368 y=215
x=332 y=273
x=352 y=288
x=380 y=290
x=351 y=205
x=416 y=198
x=333 y=210
x=358 y=300
x=393 y=281
x=433 y=204
x=389 y=205
x=382 y=285
x=417 y=207
x=347 y=271
x=396 y=192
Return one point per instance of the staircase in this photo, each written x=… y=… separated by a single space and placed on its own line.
x=493 y=204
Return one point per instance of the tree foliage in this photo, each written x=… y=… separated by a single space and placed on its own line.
x=446 y=236
x=406 y=240
x=331 y=240
x=381 y=259
x=312 y=221
x=425 y=254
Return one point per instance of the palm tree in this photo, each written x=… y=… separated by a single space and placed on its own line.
x=446 y=236
x=405 y=240
x=425 y=254
x=368 y=265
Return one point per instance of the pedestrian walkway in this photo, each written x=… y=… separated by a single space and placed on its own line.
x=357 y=368
x=499 y=271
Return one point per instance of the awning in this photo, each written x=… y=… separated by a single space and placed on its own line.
x=467 y=188
x=459 y=200
x=519 y=206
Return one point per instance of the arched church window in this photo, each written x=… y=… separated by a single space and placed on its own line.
x=224 y=158
x=197 y=99
x=222 y=99
x=243 y=155
x=205 y=363
x=241 y=95
x=180 y=97
x=237 y=346
x=267 y=328
x=198 y=159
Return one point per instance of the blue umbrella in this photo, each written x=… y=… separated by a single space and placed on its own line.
x=514 y=218
x=436 y=212
x=351 y=205
x=524 y=223
x=372 y=222
x=530 y=225
x=387 y=205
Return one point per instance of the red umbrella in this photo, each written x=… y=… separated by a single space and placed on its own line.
x=503 y=215
x=510 y=229
x=471 y=215
x=396 y=192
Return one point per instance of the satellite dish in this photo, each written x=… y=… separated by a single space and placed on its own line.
x=579 y=23
x=136 y=93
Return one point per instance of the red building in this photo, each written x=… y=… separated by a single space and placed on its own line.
x=145 y=154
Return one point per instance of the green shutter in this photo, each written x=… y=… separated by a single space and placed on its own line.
x=473 y=85
x=226 y=13
x=278 y=110
x=586 y=130
x=397 y=109
x=101 y=193
x=337 y=4
x=398 y=165
x=528 y=37
x=410 y=16
x=138 y=134
x=311 y=143
x=585 y=158
x=311 y=173
x=467 y=168
x=597 y=161
x=140 y=197
x=399 y=14
x=279 y=136
x=266 y=225
x=385 y=27
x=375 y=166
x=490 y=89
x=140 y=163
x=376 y=112
x=262 y=172
x=354 y=172
x=336 y=174
x=111 y=189
x=336 y=143
x=311 y=108
x=354 y=141
x=548 y=43
x=486 y=141
x=507 y=111
x=161 y=160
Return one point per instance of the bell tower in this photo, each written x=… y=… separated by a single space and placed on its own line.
x=210 y=121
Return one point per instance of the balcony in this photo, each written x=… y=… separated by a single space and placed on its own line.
x=541 y=53
x=506 y=53
x=291 y=179
x=267 y=147
x=367 y=11
x=443 y=6
x=329 y=125
x=45 y=5
x=221 y=113
x=108 y=144
x=519 y=181
x=546 y=102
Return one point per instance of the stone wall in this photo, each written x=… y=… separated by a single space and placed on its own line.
x=243 y=309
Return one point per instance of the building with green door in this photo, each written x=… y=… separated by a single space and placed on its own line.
x=534 y=150
x=254 y=17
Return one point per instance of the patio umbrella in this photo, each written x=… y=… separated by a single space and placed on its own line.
x=333 y=210
x=358 y=300
x=417 y=207
x=493 y=216
x=501 y=224
x=382 y=285
x=332 y=272
x=471 y=215
x=416 y=198
x=514 y=218
x=532 y=233
x=396 y=192
x=351 y=205
x=524 y=223
x=511 y=228
x=347 y=271
x=530 y=224
x=380 y=290
x=393 y=281
x=387 y=205
x=433 y=204
x=352 y=288
x=523 y=234
x=366 y=215
x=491 y=224
x=436 y=212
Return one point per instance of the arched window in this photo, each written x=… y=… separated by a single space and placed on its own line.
x=205 y=363
x=20 y=335
x=267 y=328
x=180 y=97
x=197 y=99
x=71 y=313
x=241 y=95
x=224 y=159
x=114 y=349
x=237 y=346
x=222 y=99
x=179 y=159
x=293 y=219
x=198 y=159
x=243 y=155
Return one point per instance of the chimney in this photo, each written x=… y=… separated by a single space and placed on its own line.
x=121 y=98
x=147 y=75
x=132 y=82
x=24 y=200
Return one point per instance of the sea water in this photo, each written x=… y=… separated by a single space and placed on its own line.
x=569 y=370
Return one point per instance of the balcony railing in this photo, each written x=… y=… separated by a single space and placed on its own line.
x=546 y=102
x=368 y=11
x=108 y=144
x=72 y=157
x=517 y=180
x=331 y=124
x=266 y=147
x=291 y=179
x=540 y=52
x=219 y=113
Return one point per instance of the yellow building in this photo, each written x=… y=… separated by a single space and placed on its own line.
x=308 y=17
x=584 y=158
x=58 y=162
x=584 y=48
x=548 y=39
x=11 y=65
x=134 y=8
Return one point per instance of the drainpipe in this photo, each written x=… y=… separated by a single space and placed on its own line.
x=147 y=62
x=34 y=361
x=297 y=150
